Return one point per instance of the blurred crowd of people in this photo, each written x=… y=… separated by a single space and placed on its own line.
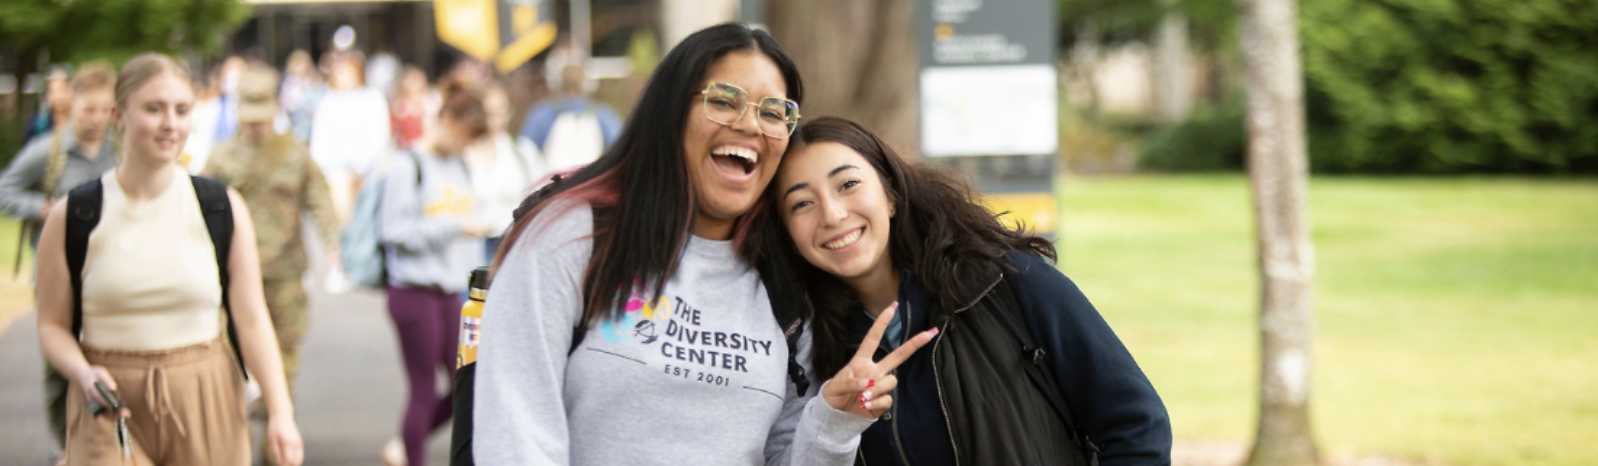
x=298 y=146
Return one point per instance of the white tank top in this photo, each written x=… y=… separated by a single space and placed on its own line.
x=150 y=275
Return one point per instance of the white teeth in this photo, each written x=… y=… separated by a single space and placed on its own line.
x=844 y=241
x=740 y=152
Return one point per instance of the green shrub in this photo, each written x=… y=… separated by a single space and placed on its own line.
x=1211 y=139
x=1448 y=86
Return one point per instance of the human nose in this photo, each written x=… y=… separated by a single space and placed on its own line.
x=746 y=122
x=833 y=211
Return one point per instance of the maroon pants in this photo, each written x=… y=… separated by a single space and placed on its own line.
x=428 y=324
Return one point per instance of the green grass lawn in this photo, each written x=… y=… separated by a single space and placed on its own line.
x=16 y=291
x=1457 y=318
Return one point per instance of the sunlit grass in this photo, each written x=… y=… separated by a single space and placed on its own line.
x=1456 y=317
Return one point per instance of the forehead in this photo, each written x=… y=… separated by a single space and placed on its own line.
x=814 y=162
x=165 y=87
x=751 y=70
x=94 y=95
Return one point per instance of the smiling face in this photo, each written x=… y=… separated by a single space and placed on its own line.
x=837 y=211
x=155 y=118
x=729 y=166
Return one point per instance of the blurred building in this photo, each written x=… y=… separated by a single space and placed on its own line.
x=406 y=28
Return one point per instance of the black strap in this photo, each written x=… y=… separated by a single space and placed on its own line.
x=218 y=212
x=83 y=214
x=1008 y=313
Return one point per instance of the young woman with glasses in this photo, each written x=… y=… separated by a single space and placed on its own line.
x=1023 y=370
x=634 y=315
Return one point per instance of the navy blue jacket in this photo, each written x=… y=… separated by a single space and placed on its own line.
x=1111 y=401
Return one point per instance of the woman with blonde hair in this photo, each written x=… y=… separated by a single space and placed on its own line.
x=148 y=297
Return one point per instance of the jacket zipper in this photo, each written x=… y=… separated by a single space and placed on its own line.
x=938 y=378
x=899 y=442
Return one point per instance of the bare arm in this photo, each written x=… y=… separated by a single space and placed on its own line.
x=257 y=339
x=54 y=293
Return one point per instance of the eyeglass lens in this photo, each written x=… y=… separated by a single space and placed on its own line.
x=726 y=104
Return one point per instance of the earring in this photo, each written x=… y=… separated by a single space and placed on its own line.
x=893 y=211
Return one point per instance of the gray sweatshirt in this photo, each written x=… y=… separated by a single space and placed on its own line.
x=17 y=195
x=695 y=377
x=421 y=225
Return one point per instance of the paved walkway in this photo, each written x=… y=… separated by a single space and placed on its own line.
x=351 y=387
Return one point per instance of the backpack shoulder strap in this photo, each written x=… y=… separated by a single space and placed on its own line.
x=792 y=330
x=1007 y=310
x=83 y=214
x=218 y=212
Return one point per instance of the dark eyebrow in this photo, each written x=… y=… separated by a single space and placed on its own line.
x=830 y=174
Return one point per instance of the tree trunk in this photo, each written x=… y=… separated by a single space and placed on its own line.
x=1279 y=175
x=858 y=60
x=1173 y=90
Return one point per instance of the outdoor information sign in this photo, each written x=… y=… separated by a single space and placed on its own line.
x=989 y=100
x=988 y=82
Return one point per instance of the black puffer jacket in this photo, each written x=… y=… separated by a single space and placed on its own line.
x=968 y=397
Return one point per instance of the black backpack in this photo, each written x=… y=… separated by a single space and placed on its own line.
x=83 y=214
x=460 y=442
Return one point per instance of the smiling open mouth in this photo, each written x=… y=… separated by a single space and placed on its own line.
x=743 y=159
x=846 y=240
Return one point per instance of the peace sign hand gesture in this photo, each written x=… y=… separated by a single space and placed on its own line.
x=862 y=386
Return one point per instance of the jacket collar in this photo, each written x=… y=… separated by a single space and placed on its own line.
x=975 y=281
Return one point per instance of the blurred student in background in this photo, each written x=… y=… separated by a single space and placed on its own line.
x=503 y=165
x=281 y=185
x=302 y=91
x=571 y=128
x=44 y=171
x=54 y=107
x=432 y=238
x=350 y=134
x=412 y=108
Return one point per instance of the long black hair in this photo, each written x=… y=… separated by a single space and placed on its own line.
x=641 y=182
x=940 y=231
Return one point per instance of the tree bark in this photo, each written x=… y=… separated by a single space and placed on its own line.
x=1279 y=175
x=1173 y=90
x=858 y=60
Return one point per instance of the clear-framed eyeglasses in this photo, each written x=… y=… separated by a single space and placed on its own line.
x=726 y=104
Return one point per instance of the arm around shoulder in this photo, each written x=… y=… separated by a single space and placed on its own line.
x=1112 y=401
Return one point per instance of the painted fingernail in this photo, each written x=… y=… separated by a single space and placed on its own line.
x=871 y=383
x=866 y=396
x=866 y=406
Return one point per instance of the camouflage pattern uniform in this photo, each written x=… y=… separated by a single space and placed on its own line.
x=279 y=182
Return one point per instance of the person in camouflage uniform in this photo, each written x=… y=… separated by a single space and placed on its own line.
x=279 y=182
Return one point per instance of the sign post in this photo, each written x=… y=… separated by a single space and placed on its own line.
x=989 y=99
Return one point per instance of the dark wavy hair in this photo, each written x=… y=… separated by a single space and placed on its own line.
x=940 y=231
x=639 y=189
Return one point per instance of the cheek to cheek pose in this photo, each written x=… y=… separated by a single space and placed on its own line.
x=651 y=291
